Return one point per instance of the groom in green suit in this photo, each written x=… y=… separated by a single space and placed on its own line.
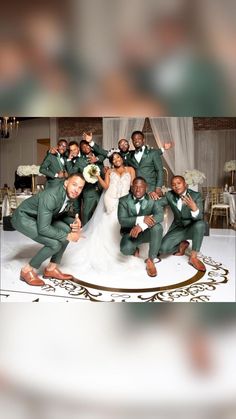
x=45 y=218
x=188 y=223
x=53 y=166
x=147 y=163
x=140 y=218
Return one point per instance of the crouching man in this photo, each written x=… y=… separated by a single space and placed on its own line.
x=140 y=218
x=45 y=218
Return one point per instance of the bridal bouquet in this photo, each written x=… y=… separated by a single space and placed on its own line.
x=28 y=170
x=194 y=177
x=90 y=172
x=230 y=165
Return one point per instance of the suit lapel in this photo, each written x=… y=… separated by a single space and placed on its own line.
x=131 y=205
x=59 y=162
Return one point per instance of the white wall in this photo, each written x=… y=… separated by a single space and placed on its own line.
x=21 y=149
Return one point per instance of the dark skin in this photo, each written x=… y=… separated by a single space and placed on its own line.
x=61 y=148
x=139 y=189
x=123 y=145
x=179 y=186
x=86 y=149
x=138 y=141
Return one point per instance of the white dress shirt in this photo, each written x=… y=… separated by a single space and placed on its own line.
x=65 y=204
x=140 y=219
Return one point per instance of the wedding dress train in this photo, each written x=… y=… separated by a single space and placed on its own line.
x=99 y=247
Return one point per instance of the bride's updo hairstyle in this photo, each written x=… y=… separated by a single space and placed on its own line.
x=111 y=157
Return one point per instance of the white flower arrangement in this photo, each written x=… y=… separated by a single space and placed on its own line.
x=194 y=177
x=230 y=165
x=90 y=172
x=28 y=170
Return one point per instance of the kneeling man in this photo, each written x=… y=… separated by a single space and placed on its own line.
x=45 y=218
x=140 y=218
x=188 y=223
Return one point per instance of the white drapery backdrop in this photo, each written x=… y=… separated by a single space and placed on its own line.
x=116 y=128
x=180 y=132
x=177 y=130
x=212 y=149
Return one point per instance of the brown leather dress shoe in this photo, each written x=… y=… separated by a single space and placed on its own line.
x=56 y=274
x=197 y=264
x=151 y=268
x=31 y=278
x=182 y=247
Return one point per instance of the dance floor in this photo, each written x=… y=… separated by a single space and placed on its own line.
x=176 y=281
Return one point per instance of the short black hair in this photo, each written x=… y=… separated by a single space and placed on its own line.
x=139 y=178
x=76 y=174
x=84 y=142
x=175 y=176
x=137 y=132
x=73 y=143
x=62 y=140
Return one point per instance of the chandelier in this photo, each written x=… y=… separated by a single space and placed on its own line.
x=8 y=126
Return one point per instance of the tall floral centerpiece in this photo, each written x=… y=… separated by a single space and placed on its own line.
x=32 y=170
x=230 y=166
x=193 y=178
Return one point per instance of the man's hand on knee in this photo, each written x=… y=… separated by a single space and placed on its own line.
x=135 y=231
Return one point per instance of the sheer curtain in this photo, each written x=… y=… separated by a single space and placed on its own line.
x=180 y=132
x=117 y=128
x=212 y=149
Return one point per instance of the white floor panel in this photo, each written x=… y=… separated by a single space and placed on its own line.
x=176 y=279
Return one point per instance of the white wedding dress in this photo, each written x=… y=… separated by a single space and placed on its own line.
x=99 y=248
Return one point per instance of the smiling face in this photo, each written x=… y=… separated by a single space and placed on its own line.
x=74 y=150
x=123 y=145
x=139 y=188
x=62 y=146
x=117 y=160
x=178 y=185
x=138 y=141
x=85 y=148
x=74 y=186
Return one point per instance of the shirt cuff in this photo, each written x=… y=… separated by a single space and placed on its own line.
x=195 y=213
x=91 y=143
x=140 y=221
x=56 y=175
x=163 y=150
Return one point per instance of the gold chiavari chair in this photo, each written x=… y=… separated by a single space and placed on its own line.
x=218 y=207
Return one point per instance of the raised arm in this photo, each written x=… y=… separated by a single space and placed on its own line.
x=106 y=182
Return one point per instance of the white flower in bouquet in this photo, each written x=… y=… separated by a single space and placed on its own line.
x=230 y=165
x=90 y=173
x=28 y=170
x=194 y=177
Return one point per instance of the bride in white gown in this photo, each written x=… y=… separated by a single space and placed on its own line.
x=99 y=246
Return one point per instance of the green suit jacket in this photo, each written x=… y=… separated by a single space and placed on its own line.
x=127 y=213
x=150 y=167
x=44 y=207
x=183 y=217
x=52 y=165
x=126 y=156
